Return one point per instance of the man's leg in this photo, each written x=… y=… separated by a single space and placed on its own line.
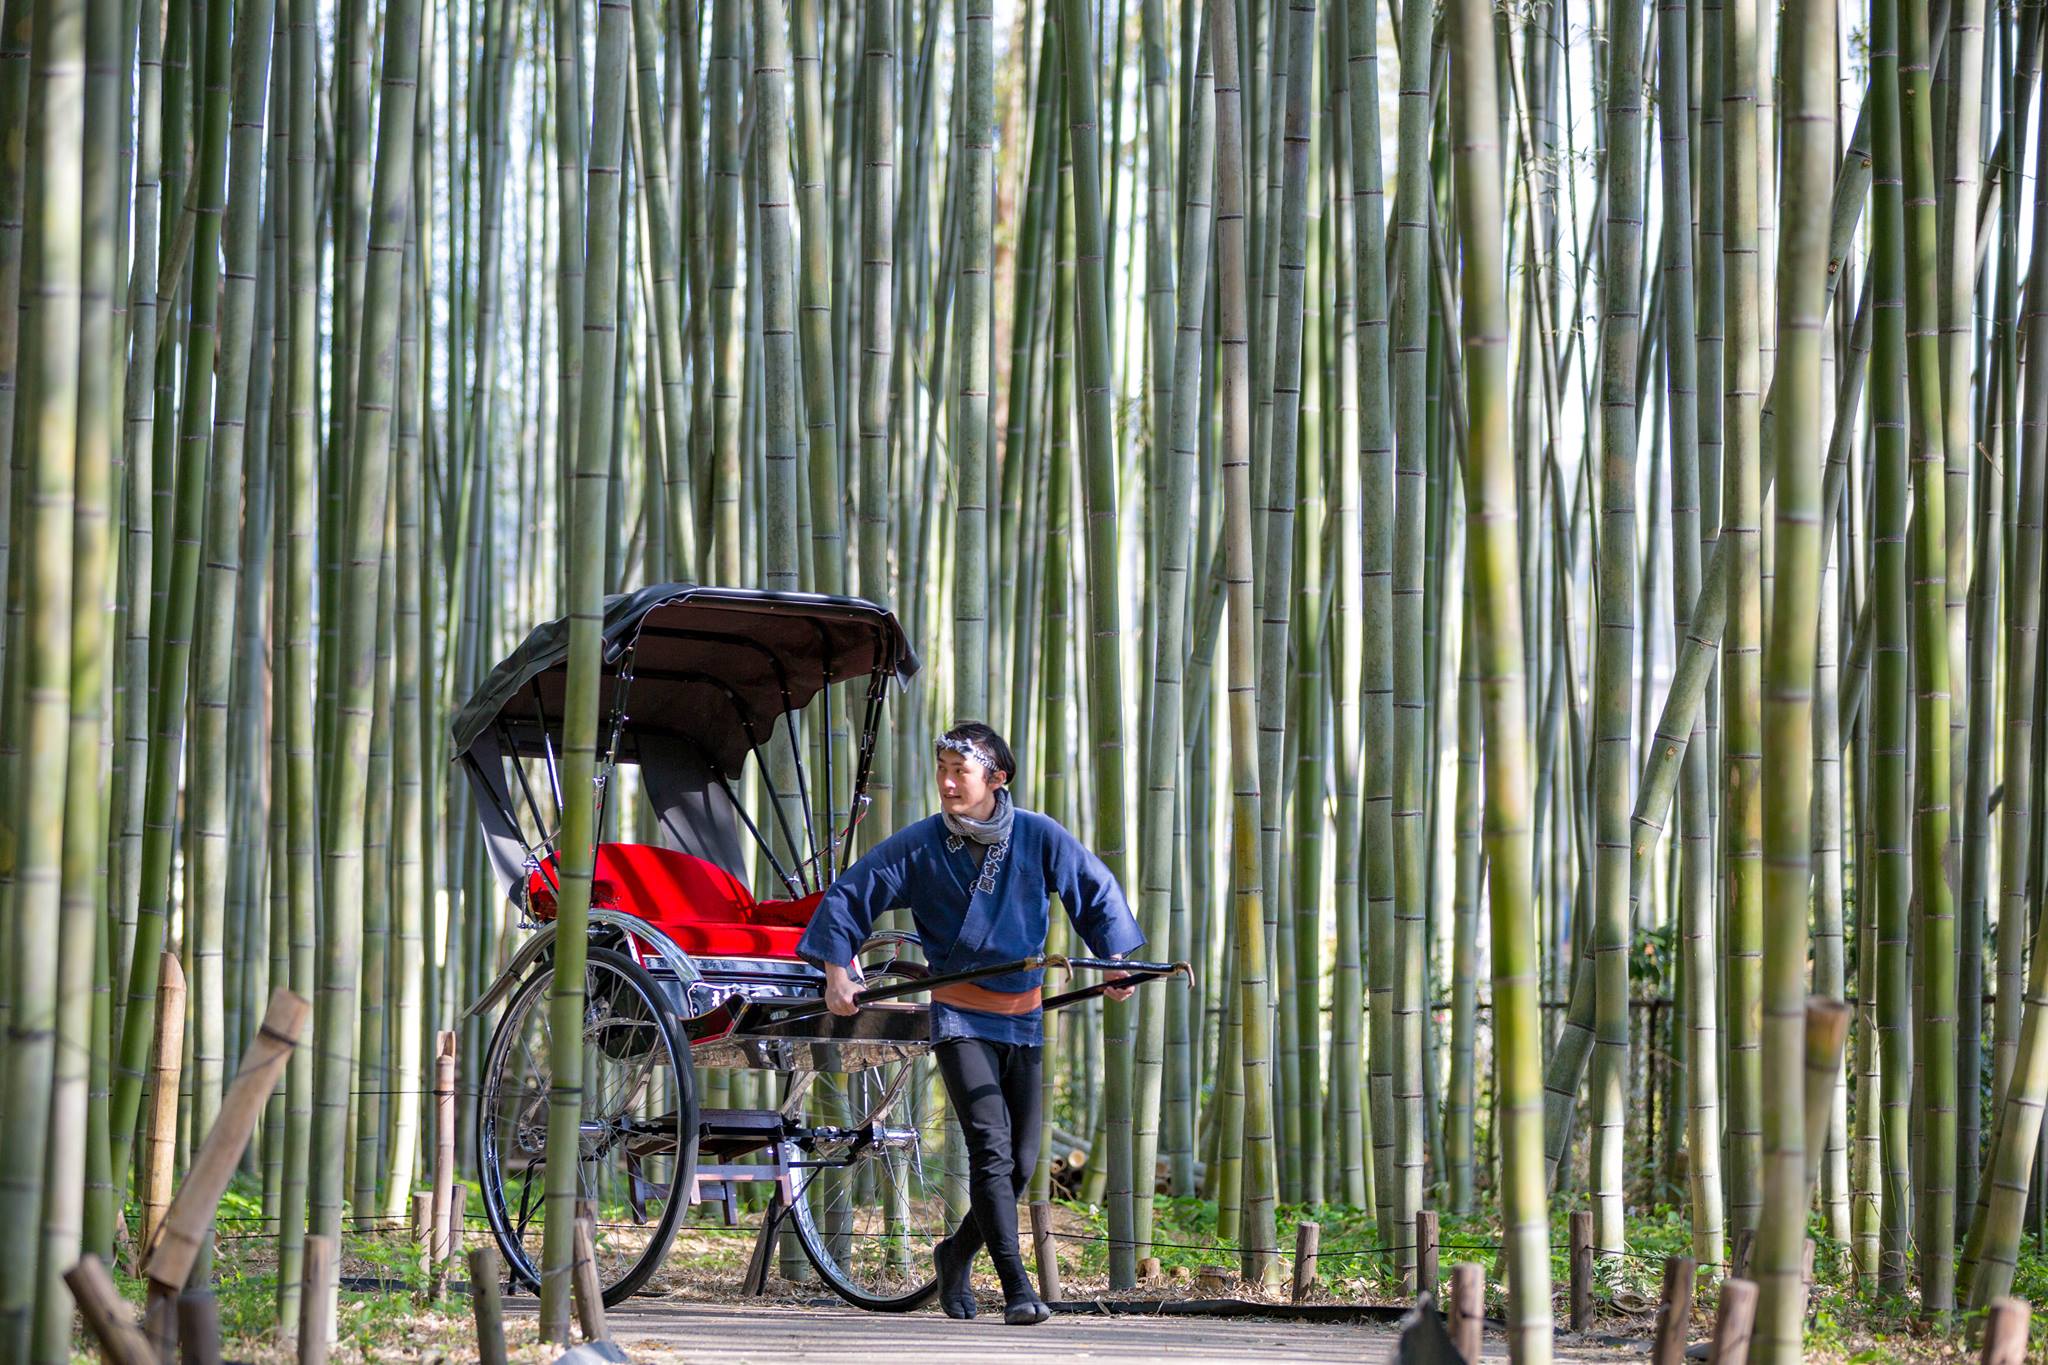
x=1022 y=1093
x=977 y=1079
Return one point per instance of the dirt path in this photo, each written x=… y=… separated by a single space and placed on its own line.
x=777 y=1334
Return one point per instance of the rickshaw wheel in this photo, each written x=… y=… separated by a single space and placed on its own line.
x=638 y=1154
x=892 y=1183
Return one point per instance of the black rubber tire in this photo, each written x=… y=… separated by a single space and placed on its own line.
x=531 y=994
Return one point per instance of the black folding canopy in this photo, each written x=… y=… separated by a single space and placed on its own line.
x=695 y=678
x=713 y=666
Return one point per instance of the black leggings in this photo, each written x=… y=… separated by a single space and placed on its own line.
x=994 y=1091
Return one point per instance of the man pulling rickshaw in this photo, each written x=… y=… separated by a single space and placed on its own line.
x=977 y=878
x=906 y=1119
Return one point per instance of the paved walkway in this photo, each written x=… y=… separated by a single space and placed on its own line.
x=777 y=1334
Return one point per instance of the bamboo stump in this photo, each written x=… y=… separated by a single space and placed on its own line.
x=1733 y=1323
x=1582 y=1270
x=316 y=1301
x=1468 y=1309
x=423 y=1231
x=160 y=1321
x=1674 y=1313
x=2005 y=1332
x=1425 y=1251
x=444 y=1158
x=1046 y=1251
x=487 y=1298
x=1308 y=1237
x=161 y=1142
x=583 y=1279
x=199 y=1327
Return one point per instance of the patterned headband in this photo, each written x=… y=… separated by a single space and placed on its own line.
x=969 y=750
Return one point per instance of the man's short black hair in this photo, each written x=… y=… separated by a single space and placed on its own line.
x=977 y=732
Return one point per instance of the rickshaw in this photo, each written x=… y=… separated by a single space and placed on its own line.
x=688 y=969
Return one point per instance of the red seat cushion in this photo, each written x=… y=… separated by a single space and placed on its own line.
x=706 y=910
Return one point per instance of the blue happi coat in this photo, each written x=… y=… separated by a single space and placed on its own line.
x=961 y=928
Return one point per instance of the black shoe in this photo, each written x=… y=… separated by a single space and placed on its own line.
x=1027 y=1310
x=956 y=1280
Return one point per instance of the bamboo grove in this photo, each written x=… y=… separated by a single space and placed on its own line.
x=1516 y=531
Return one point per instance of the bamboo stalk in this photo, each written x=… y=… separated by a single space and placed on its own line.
x=1496 y=589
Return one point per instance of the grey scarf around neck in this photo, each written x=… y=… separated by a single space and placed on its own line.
x=994 y=830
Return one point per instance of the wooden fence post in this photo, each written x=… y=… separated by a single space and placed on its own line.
x=486 y=1297
x=1308 y=1237
x=1047 y=1251
x=1674 y=1313
x=1582 y=1270
x=106 y=1314
x=1732 y=1324
x=2005 y=1332
x=160 y=1142
x=1468 y=1309
x=316 y=1301
x=1425 y=1251
x=589 y=1293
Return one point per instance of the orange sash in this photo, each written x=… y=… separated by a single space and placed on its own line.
x=968 y=996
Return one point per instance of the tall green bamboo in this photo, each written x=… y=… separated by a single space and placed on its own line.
x=172 y=623
x=1934 y=1037
x=1463 y=1085
x=1259 y=1234
x=580 y=706
x=1788 y=739
x=78 y=1209
x=369 y=471
x=821 y=377
x=1285 y=446
x=727 y=42
x=775 y=266
x=1974 y=875
x=1741 y=651
x=294 y=680
x=1614 y=649
x=1890 y=717
x=1494 y=576
x=1105 y=634
x=1406 y=505
x=651 y=156
x=2016 y=811
x=1362 y=613
x=878 y=225
x=1695 y=885
x=973 y=326
x=1958 y=258
x=1993 y=1246
x=410 y=1007
x=239 y=231
x=1381 y=510
x=51 y=871
x=130 y=768
x=16 y=29
x=1166 y=744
